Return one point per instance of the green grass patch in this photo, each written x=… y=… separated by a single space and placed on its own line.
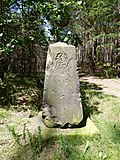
x=104 y=111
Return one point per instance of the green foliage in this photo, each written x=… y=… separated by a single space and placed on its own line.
x=81 y=23
x=36 y=143
x=4 y=113
x=14 y=134
x=106 y=70
x=22 y=26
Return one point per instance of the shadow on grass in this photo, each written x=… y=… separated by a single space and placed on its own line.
x=18 y=90
x=88 y=92
x=67 y=147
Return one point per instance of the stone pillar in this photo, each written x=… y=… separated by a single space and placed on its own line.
x=61 y=99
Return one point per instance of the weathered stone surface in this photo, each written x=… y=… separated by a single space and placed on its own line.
x=89 y=130
x=61 y=100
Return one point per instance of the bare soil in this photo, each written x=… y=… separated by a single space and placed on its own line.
x=109 y=86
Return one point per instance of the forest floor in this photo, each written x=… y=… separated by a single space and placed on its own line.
x=15 y=123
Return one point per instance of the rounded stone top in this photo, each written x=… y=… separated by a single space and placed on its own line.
x=61 y=44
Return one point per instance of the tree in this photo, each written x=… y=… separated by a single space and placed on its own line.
x=22 y=28
x=90 y=25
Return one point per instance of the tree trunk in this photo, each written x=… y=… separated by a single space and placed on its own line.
x=0 y=6
x=85 y=50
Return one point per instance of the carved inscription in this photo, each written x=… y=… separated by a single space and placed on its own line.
x=61 y=99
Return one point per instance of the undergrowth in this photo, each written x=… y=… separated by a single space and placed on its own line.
x=22 y=93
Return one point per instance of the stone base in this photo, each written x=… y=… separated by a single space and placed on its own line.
x=89 y=130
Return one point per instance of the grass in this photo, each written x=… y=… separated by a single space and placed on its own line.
x=4 y=113
x=104 y=111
